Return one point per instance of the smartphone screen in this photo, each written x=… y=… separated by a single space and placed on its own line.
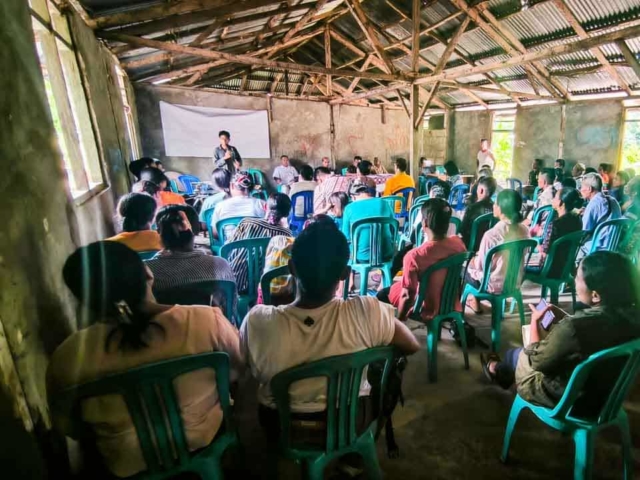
x=548 y=318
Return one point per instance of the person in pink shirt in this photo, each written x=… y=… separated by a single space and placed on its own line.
x=436 y=214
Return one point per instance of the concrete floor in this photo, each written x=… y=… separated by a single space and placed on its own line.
x=453 y=429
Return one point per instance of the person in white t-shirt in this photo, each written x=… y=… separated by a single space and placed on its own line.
x=285 y=174
x=485 y=156
x=317 y=324
x=240 y=204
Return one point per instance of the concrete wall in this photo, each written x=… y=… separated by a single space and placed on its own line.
x=300 y=129
x=466 y=129
x=40 y=224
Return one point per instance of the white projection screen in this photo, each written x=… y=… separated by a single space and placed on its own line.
x=193 y=131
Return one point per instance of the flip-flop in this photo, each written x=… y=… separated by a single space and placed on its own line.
x=477 y=312
x=491 y=357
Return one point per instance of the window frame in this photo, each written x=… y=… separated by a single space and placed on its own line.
x=623 y=132
x=495 y=115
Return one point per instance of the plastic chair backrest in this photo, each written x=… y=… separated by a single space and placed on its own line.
x=148 y=254
x=344 y=377
x=456 y=197
x=218 y=293
x=149 y=394
x=256 y=255
x=478 y=228
x=422 y=185
x=629 y=356
x=430 y=182
x=544 y=214
x=516 y=250
x=268 y=277
x=408 y=194
x=515 y=184
x=221 y=227
x=187 y=181
x=450 y=292
x=257 y=176
x=419 y=201
x=173 y=185
x=409 y=225
x=393 y=200
x=376 y=227
x=569 y=244
x=345 y=170
x=616 y=230
x=261 y=194
x=536 y=192
x=307 y=198
x=457 y=222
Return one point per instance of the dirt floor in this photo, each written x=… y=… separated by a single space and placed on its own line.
x=453 y=429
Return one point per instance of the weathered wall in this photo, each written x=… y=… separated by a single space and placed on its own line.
x=41 y=225
x=300 y=129
x=466 y=131
x=538 y=135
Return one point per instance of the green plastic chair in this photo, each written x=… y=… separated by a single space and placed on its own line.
x=409 y=228
x=540 y=218
x=450 y=293
x=478 y=228
x=220 y=293
x=392 y=200
x=344 y=376
x=536 y=192
x=584 y=430
x=457 y=223
x=376 y=227
x=258 y=177
x=256 y=249
x=617 y=230
x=221 y=227
x=568 y=246
x=149 y=394
x=516 y=250
x=147 y=254
x=268 y=277
x=344 y=171
x=422 y=185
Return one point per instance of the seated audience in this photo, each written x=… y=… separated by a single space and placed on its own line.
x=378 y=168
x=328 y=184
x=536 y=167
x=362 y=176
x=567 y=199
x=305 y=183
x=278 y=255
x=315 y=326
x=440 y=189
x=128 y=329
x=239 y=204
x=400 y=180
x=486 y=187
x=507 y=209
x=618 y=184
x=285 y=174
x=559 y=166
x=436 y=214
x=180 y=264
x=541 y=370
x=590 y=170
x=453 y=174
x=599 y=209
x=155 y=183
x=137 y=211
x=473 y=193
x=326 y=163
x=274 y=224
x=356 y=161
x=568 y=182
x=136 y=166
x=428 y=168
x=339 y=201
x=545 y=197
x=578 y=170
x=220 y=181
x=605 y=170
x=364 y=206
x=160 y=166
x=632 y=207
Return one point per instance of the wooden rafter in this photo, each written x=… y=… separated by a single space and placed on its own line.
x=206 y=33
x=276 y=81
x=369 y=93
x=475 y=97
x=363 y=22
x=415 y=36
x=300 y=24
x=425 y=31
x=582 y=33
x=355 y=81
x=327 y=57
x=355 y=49
x=403 y=102
x=629 y=57
x=431 y=96
x=448 y=51
x=504 y=92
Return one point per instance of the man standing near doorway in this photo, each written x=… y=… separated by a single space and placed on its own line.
x=225 y=155
x=485 y=156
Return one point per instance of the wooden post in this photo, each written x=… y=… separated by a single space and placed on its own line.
x=286 y=82
x=383 y=115
x=270 y=108
x=563 y=127
x=414 y=137
x=333 y=135
x=327 y=58
x=415 y=35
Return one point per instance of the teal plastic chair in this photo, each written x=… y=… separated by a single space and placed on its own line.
x=221 y=228
x=256 y=249
x=419 y=233
x=258 y=177
x=408 y=194
x=344 y=376
x=393 y=200
x=148 y=254
x=450 y=293
x=261 y=194
x=219 y=293
x=584 y=430
x=616 y=231
x=422 y=186
x=457 y=223
x=568 y=245
x=149 y=394
x=268 y=277
x=536 y=192
x=478 y=228
x=410 y=228
x=345 y=170
x=173 y=185
x=543 y=216
x=514 y=184
x=516 y=250
x=375 y=226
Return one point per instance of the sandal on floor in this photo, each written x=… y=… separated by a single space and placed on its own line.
x=485 y=361
x=477 y=312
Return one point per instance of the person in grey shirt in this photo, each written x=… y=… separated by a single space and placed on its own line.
x=225 y=155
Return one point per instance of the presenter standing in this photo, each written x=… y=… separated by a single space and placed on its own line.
x=485 y=156
x=225 y=155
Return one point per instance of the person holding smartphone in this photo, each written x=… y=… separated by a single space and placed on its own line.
x=542 y=369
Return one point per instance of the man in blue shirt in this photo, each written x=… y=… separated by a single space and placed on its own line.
x=225 y=155
x=364 y=206
x=599 y=209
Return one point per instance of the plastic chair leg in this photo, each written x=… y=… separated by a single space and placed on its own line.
x=513 y=306
x=573 y=296
x=497 y=307
x=543 y=291
x=625 y=435
x=314 y=469
x=370 y=456
x=585 y=442
x=463 y=339
x=364 y=281
x=516 y=408
x=518 y=298
x=432 y=350
x=387 y=279
x=555 y=294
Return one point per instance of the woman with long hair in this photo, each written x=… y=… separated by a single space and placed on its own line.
x=136 y=212
x=128 y=328
x=507 y=210
x=220 y=181
x=338 y=201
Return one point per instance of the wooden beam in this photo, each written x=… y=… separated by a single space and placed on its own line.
x=363 y=22
x=327 y=57
x=356 y=80
x=276 y=81
x=629 y=57
x=206 y=33
x=503 y=91
x=369 y=93
x=243 y=83
x=425 y=31
x=432 y=94
x=475 y=97
x=300 y=24
x=246 y=59
x=448 y=51
x=404 y=103
x=582 y=33
x=557 y=50
x=355 y=49
x=415 y=35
